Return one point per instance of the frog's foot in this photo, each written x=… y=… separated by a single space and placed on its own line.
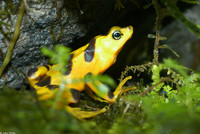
x=84 y=114
x=119 y=90
x=104 y=93
x=127 y=89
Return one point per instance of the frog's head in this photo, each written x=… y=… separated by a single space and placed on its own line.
x=116 y=38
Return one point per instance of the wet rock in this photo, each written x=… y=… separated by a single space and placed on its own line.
x=35 y=33
x=54 y=22
x=180 y=39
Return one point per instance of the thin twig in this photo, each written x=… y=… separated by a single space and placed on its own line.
x=148 y=90
x=125 y=109
x=160 y=14
x=31 y=9
x=14 y=39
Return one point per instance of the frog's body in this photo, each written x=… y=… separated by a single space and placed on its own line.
x=94 y=58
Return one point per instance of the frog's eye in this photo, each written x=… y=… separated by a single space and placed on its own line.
x=117 y=35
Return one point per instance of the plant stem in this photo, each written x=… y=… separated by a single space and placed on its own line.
x=159 y=17
x=149 y=90
x=14 y=40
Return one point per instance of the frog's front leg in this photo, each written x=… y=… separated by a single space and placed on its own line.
x=35 y=74
x=104 y=92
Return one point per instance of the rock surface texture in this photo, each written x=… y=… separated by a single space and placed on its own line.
x=43 y=25
x=180 y=39
x=46 y=24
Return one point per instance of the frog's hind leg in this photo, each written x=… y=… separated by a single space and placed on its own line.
x=104 y=92
x=83 y=114
x=35 y=74
x=73 y=97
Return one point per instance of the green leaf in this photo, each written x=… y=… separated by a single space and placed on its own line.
x=60 y=55
x=176 y=13
x=156 y=76
x=191 y=1
x=166 y=46
x=102 y=78
x=174 y=65
x=3 y=23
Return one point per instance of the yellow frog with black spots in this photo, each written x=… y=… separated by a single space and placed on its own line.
x=94 y=58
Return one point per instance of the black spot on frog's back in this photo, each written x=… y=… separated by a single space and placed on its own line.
x=45 y=82
x=47 y=67
x=69 y=66
x=32 y=71
x=52 y=87
x=90 y=51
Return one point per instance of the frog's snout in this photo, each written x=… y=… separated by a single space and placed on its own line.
x=130 y=28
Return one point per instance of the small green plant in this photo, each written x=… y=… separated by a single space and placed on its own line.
x=60 y=56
